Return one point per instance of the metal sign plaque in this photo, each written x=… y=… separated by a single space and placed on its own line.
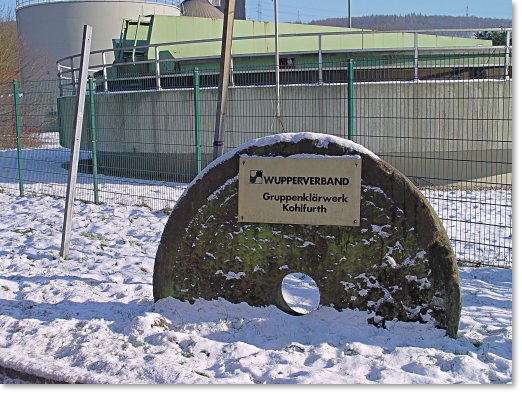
x=317 y=191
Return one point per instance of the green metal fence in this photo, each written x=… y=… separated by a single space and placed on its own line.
x=447 y=127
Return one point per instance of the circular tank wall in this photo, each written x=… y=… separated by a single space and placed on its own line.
x=54 y=30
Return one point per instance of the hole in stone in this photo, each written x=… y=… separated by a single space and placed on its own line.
x=300 y=292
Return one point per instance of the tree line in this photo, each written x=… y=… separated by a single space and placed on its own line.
x=417 y=22
x=9 y=46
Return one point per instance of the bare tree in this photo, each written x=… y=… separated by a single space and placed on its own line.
x=11 y=66
x=10 y=46
x=12 y=61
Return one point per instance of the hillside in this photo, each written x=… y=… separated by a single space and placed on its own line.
x=415 y=22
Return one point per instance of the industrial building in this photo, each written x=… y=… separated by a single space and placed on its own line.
x=151 y=37
x=52 y=29
x=168 y=46
x=149 y=60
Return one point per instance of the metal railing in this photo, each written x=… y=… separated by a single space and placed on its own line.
x=68 y=69
x=25 y=3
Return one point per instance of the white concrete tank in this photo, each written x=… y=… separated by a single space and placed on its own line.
x=53 y=29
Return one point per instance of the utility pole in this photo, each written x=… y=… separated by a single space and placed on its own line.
x=350 y=14
x=276 y=36
x=224 y=75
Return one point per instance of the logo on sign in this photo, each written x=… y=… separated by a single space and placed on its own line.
x=256 y=176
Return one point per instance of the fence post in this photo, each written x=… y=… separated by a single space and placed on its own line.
x=506 y=56
x=416 y=56
x=59 y=75
x=93 y=141
x=18 y=128
x=104 y=73
x=350 y=99
x=320 y=57
x=231 y=77
x=75 y=142
x=157 y=67
x=197 y=119
x=73 y=76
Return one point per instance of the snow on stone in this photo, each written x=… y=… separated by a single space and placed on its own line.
x=389 y=260
x=422 y=282
x=230 y=275
x=379 y=230
x=216 y=193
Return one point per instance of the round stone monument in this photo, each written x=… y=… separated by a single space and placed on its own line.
x=393 y=259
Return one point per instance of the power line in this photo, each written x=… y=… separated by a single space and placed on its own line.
x=289 y=12
x=309 y=12
x=259 y=10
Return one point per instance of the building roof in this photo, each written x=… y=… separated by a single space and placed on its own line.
x=201 y=9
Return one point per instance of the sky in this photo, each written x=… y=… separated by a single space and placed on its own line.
x=314 y=9
x=307 y=10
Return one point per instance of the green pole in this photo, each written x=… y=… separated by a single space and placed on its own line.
x=93 y=142
x=197 y=119
x=18 y=137
x=350 y=99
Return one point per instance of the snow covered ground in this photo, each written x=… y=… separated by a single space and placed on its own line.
x=44 y=173
x=92 y=318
